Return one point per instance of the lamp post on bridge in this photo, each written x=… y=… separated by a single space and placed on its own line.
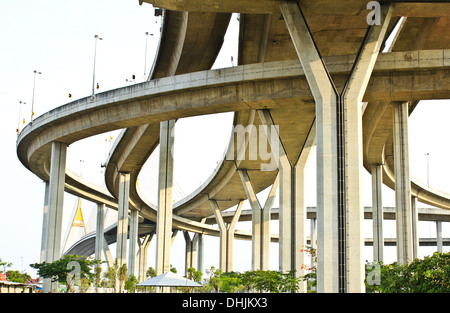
x=145 y=60
x=20 y=113
x=32 y=99
x=95 y=56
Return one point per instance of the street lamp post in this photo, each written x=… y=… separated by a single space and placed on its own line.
x=145 y=61
x=32 y=99
x=428 y=168
x=20 y=113
x=93 y=72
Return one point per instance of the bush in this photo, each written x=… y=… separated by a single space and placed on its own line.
x=430 y=275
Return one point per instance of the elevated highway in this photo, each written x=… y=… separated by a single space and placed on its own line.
x=269 y=77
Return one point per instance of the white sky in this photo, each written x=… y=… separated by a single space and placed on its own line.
x=57 y=38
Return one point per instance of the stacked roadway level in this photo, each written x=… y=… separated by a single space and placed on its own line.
x=269 y=78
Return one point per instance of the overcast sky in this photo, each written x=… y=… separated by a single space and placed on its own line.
x=56 y=37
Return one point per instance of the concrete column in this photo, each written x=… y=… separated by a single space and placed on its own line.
x=260 y=222
x=165 y=183
x=292 y=208
x=133 y=243
x=191 y=250
x=143 y=257
x=99 y=230
x=377 y=213
x=415 y=226
x=226 y=235
x=439 y=241
x=55 y=205
x=402 y=184
x=122 y=223
x=200 y=252
x=340 y=211
x=44 y=224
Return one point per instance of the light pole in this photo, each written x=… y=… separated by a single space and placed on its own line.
x=32 y=99
x=428 y=168
x=145 y=61
x=20 y=113
x=95 y=55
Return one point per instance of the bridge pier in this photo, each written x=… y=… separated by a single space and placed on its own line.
x=260 y=222
x=133 y=243
x=55 y=202
x=143 y=256
x=99 y=230
x=340 y=243
x=122 y=222
x=226 y=235
x=165 y=183
x=402 y=185
x=292 y=220
x=377 y=213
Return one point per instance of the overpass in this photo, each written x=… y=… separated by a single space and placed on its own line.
x=304 y=68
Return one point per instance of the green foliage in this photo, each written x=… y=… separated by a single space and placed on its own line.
x=151 y=272
x=130 y=283
x=5 y=264
x=430 y=275
x=64 y=270
x=259 y=280
x=17 y=277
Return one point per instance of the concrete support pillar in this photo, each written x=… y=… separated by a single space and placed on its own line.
x=260 y=222
x=340 y=210
x=55 y=206
x=292 y=208
x=200 y=252
x=122 y=223
x=313 y=236
x=143 y=256
x=377 y=213
x=44 y=224
x=415 y=226
x=226 y=235
x=439 y=241
x=133 y=243
x=191 y=256
x=165 y=183
x=402 y=184
x=99 y=230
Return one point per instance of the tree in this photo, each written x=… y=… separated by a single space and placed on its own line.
x=17 y=277
x=66 y=269
x=214 y=280
x=111 y=275
x=130 y=283
x=151 y=272
x=430 y=275
x=123 y=272
x=5 y=265
x=193 y=274
x=271 y=281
